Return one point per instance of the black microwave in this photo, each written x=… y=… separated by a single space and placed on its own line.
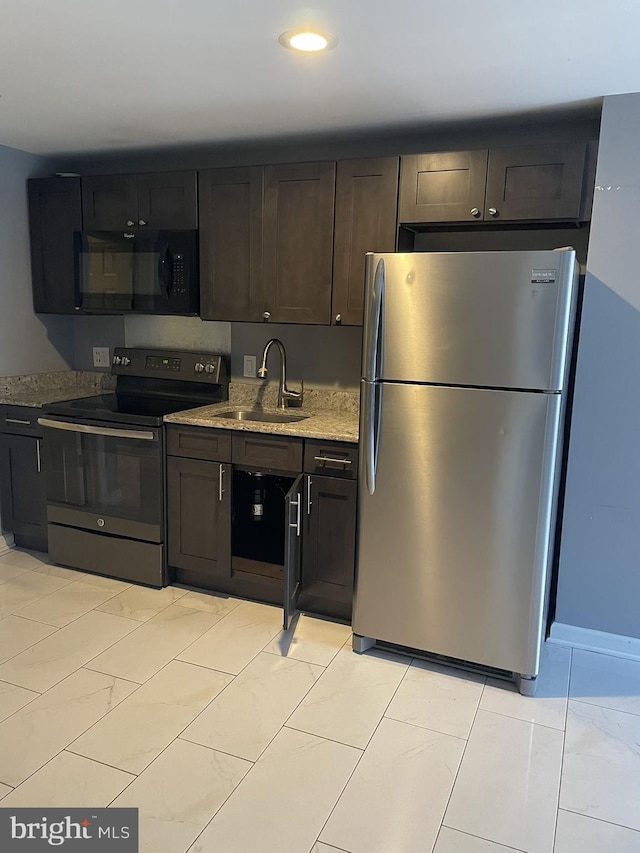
x=150 y=272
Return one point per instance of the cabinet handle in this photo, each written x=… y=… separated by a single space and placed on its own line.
x=266 y=315
x=17 y=421
x=338 y=319
x=324 y=459
x=38 y=455
x=130 y=222
x=308 y=495
x=296 y=504
x=141 y=222
x=220 y=489
x=493 y=211
x=475 y=211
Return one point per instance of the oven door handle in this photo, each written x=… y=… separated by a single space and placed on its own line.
x=140 y=435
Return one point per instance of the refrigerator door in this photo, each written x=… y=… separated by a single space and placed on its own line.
x=489 y=319
x=453 y=543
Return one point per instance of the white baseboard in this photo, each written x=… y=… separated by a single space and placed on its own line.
x=6 y=542
x=595 y=641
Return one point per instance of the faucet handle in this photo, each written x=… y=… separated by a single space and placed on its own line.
x=293 y=398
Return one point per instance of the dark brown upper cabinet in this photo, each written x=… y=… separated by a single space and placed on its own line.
x=442 y=187
x=271 y=250
x=365 y=221
x=158 y=200
x=536 y=182
x=230 y=203
x=525 y=183
x=298 y=242
x=55 y=212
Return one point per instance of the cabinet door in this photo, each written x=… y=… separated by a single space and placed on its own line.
x=168 y=201
x=109 y=202
x=329 y=545
x=55 y=212
x=292 y=551
x=298 y=242
x=442 y=187
x=199 y=520
x=22 y=490
x=231 y=244
x=536 y=182
x=365 y=221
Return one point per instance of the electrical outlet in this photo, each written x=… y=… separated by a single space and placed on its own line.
x=101 y=356
x=249 y=367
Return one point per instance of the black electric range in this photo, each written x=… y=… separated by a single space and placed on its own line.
x=105 y=462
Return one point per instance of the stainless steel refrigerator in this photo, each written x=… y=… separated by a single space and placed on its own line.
x=465 y=370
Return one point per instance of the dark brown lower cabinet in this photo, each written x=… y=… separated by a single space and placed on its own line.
x=199 y=521
x=266 y=533
x=22 y=490
x=328 y=549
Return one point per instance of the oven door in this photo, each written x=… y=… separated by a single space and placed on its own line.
x=105 y=479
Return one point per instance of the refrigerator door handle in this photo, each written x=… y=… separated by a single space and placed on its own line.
x=373 y=348
x=372 y=407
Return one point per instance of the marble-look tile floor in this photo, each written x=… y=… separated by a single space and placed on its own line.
x=230 y=736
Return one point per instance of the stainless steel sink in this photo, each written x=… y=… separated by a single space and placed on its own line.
x=262 y=417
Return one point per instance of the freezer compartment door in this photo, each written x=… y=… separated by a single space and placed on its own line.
x=489 y=319
x=454 y=542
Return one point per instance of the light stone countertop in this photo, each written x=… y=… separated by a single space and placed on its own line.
x=331 y=415
x=38 y=389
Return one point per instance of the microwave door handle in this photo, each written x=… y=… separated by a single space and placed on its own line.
x=165 y=269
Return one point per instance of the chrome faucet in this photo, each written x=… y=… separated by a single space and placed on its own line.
x=285 y=396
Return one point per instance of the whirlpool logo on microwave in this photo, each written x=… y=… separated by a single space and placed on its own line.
x=80 y=830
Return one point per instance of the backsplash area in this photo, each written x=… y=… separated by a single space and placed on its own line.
x=324 y=356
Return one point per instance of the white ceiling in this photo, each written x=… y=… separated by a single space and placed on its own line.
x=109 y=75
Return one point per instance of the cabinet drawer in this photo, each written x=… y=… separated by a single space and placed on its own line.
x=20 y=420
x=267 y=453
x=333 y=460
x=213 y=445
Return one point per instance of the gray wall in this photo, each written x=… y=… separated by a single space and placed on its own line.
x=323 y=356
x=599 y=570
x=190 y=333
x=89 y=332
x=28 y=344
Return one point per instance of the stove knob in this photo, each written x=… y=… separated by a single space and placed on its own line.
x=126 y=361
x=199 y=367
x=117 y=359
x=210 y=368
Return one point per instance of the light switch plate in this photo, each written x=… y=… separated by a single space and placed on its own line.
x=101 y=356
x=249 y=366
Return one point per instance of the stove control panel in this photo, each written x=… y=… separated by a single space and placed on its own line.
x=209 y=366
x=171 y=364
x=162 y=363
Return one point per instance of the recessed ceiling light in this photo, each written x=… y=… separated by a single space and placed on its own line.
x=308 y=41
